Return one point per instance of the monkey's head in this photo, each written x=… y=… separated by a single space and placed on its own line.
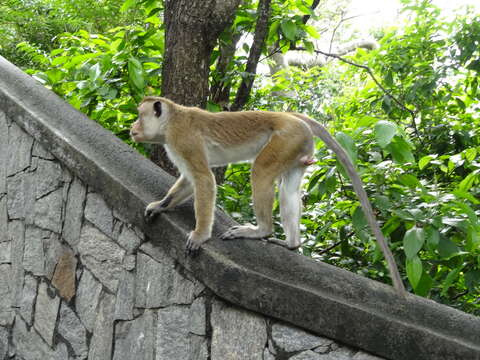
x=153 y=113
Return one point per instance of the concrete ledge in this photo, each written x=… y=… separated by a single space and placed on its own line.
x=258 y=276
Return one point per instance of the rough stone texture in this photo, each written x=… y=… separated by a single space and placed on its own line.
x=46 y=312
x=16 y=232
x=5 y=250
x=6 y=295
x=136 y=339
x=4 y=334
x=64 y=276
x=72 y=330
x=364 y=356
x=198 y=317
x=125 y=301
x=99 y=214
x=88 y=296
x=101 y=343
x=292 y=339
x=174 y=340
x=53 y=250
x=129 y=240
x=237 y=334
x=33 y=256
x=101 y=256
x=28 y=343
x=3 y=219
x=74 y=212
x=48 y=211
x=3 y=153
x=19 y=150
x=48 y=177
x=28 y=299
x=310 y=355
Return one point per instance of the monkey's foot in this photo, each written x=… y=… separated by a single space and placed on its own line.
x=245 y=231
x=194 y=242
x=283 y=243
x=154 y=209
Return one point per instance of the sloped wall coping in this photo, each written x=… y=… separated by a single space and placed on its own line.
x=258 y=276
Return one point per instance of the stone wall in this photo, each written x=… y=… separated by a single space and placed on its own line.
x=79 y=281
x=82 y=275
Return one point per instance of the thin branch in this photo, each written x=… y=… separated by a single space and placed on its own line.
x=313 y=7
x=348 y=236
x=370 y=72
x=261 y=31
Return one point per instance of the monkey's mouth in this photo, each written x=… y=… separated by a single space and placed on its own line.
x=134 y=136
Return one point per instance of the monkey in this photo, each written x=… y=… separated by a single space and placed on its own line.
x=280 y=146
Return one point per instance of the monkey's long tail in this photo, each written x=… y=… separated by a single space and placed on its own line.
x=321 y=132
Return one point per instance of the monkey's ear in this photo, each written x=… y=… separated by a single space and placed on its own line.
x=157 y=106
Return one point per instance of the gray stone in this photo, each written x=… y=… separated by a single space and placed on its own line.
x=101 y=256
x=152 y=277
x=290 y=338
x=5 y=249
x=61 y=352
x=19 y=150
x=6 y=295
x=102 y=339
x=48 y=177
x=199 y=347
x=88 y=295
x=267 y=355
x=46 y=312
x=48 y=211
x=33 y=257
x=3 y=219
x=341 y=353
x=40 y=152
x=99 y=214
x=16 y=194
x=72 y=330
x=129 y=262
x=128 y=239
x=28 y=344
x=4 y=334
x=74 y=212
x=198 y=317
x=308 y=355
x=364 y=356
x=136 y=339
x=53 y=250
x=174 y=340
x=16 y=232
x=3 y=153
x=28 y=299
x=236 y=333
x=125 y=299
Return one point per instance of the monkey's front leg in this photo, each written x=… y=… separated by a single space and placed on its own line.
x=178 y=193
x=205 y=192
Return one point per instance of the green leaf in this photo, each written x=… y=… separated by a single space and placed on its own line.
x=135 y=73
x=452 y=275
x=472 y=279
x=470 y=154
x=348 y=144
x=424 y=161
x=358 y=219
x=413 y=241
x=414 y=271
x=447 y=248
x=127 y=5
x=384 y=132
x=94 y=72
x=409 y=180
x=469 y=181
x=289 y=29
x=312 y=31
x=424 y=285
x=400 y=150
x=432 y=236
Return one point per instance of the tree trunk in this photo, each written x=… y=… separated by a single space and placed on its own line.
x=192 y=28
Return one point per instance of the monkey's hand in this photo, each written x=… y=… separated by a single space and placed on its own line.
x=194 y=241
x=155 y=208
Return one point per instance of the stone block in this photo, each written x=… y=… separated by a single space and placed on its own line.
x=28 y=344
x=125 y=300
x=198 y=317
x=4 y=335
x=5 y=249
x=6 y=295
x=74 y=212
x=364 y=356
x=16 y=234
x=53 y=250
x=99 y=214
x=3 y=218
x=46 y=312
x=48 y=177
x=88 y=297
x=33 y=256
x=29 y=296
x=64 y=276
x=136 y=339
x=102 y=256
x=310 y=355
x=174 y=340
x=292 y=339
x=19 y=150
x=102 y=339
x=236 y=333
x=128 y=239
x=72 y=330
x=48 y=211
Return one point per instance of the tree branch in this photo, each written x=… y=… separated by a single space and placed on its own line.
x=261 y=31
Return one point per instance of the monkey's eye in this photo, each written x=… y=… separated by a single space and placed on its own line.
x=157 y=106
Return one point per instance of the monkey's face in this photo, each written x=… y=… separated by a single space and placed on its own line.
x=149 y=126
